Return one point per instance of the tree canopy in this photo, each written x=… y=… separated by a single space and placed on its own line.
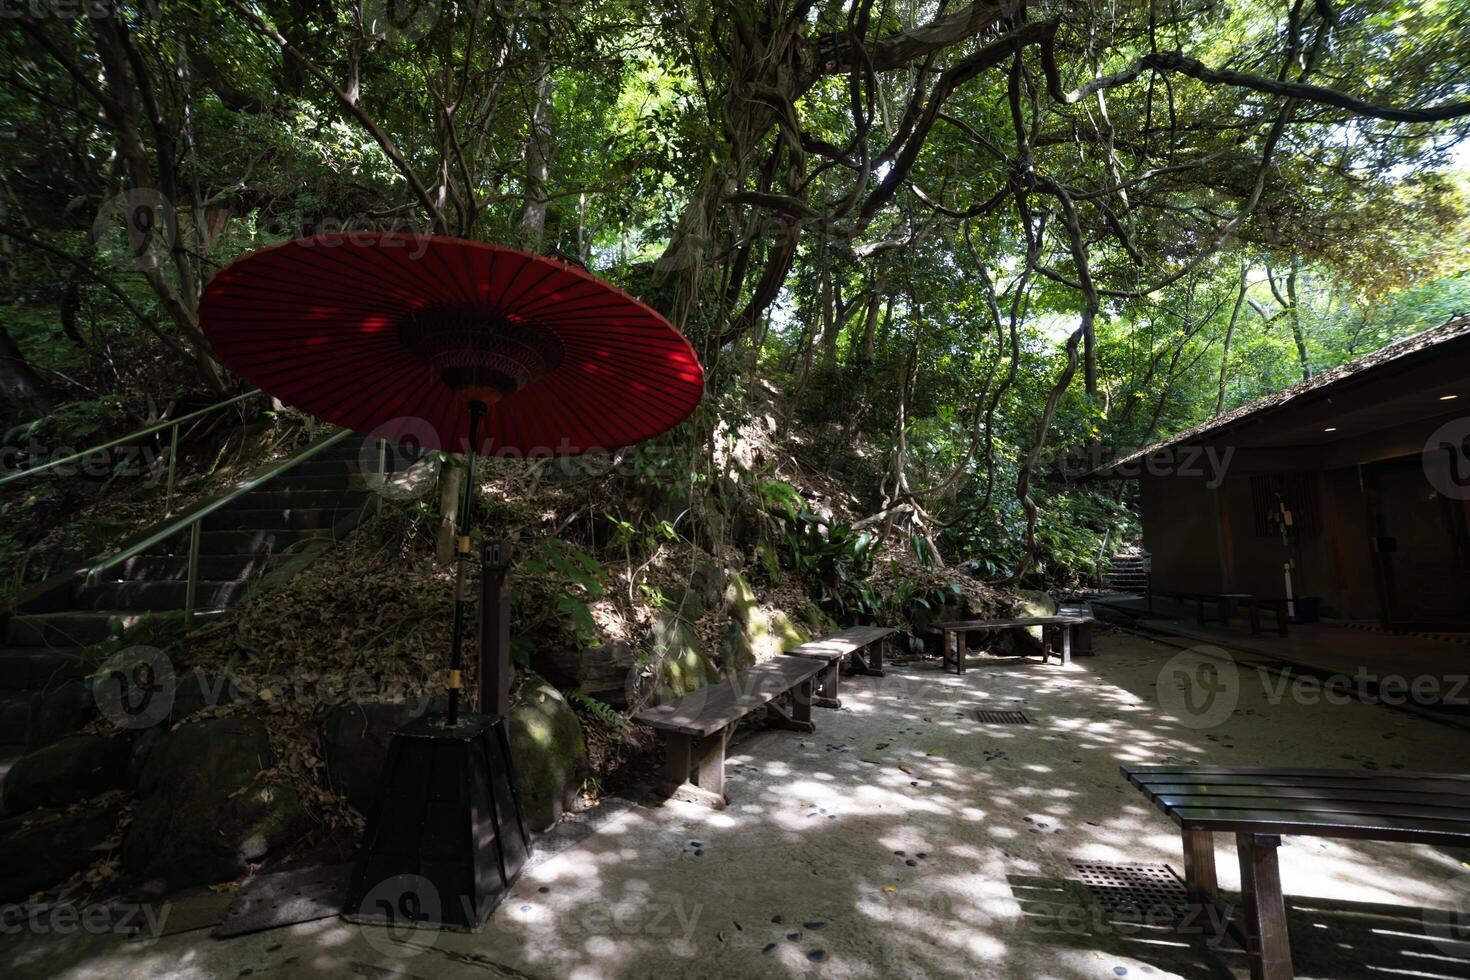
x=974 y=234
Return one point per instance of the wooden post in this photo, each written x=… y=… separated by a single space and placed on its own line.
x=712 y=764
x=1263 y=906
x=1199 y=866
x=1067 y=629
x=495 y=669
x=827 y=696
x=677 y=756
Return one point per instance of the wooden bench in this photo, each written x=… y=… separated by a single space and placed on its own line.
x=953 y=634
x=1223 y=601
x=862 y=645
x=1258 y=805
x=708 y=716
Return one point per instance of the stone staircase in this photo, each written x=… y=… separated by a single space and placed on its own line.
x=271 y=531
x=1127 y=572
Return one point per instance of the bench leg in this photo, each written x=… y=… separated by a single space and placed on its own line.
x=1199 y=866
x=1263 y=906
x=827 y=696
x=679 y=754
x=800 y=718
x=1067 y=645
x=869 y=661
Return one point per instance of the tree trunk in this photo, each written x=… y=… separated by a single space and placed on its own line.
x=532 y=225
x=451 y=487
x=1230 y=332
x=1296 y=320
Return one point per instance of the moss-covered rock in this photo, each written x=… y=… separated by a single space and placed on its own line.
x=75 y=768
x=204 y=813
x=767 y=633
x=549 y=750
x=768 y=561
x=1035 y=603
x=735 y=652
x=683 y=663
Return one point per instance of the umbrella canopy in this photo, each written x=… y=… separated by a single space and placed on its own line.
x=382 y=333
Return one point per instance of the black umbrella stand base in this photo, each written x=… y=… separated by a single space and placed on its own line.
x=445 y=841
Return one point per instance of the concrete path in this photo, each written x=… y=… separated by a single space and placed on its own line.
x=906 y=839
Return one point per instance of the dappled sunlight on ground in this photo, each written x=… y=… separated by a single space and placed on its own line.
x=906 y=838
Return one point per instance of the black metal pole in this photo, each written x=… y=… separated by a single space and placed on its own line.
x=461 y=560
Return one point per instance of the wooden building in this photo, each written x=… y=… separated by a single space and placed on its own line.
x=1355 y=483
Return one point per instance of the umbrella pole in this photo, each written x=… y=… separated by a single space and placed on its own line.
x=461 y=561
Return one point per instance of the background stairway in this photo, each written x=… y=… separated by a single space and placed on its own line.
x=286 y=521
x=1127 y=572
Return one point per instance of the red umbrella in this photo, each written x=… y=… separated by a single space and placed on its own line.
x=365 y=329
x=497 y=350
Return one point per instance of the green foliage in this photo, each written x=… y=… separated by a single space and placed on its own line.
x=600 y=710
x=833 y=557
x=576 y=577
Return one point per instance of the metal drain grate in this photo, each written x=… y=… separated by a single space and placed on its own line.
x=1003 y=718
x=1134 y=888
x=574 y=828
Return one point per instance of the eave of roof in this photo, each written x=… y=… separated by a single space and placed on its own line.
x=1383 y=358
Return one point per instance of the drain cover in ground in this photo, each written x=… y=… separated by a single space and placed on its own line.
x=575 y=828
x=286 y=898
x=1003 y=718
x=1132 y=887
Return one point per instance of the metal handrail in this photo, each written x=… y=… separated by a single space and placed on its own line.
x=173 y=447
x=193 y=522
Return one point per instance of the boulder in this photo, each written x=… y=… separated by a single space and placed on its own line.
x=766 y=633
x=708 y=580
x=203 y=813
x=683 y=664
x=58 y=712
x=598 y=672
x=77 y=767
x=355 y=739
x=549 y=751
x=200 y=689
x=44 y=848
x=1033 y=602
x=688 y=605
x=735 y=651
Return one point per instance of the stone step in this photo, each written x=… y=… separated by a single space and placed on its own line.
x=244 y=542
x=318 y=466
x=68 y=629
x=83 y=628
x=15 y=717
x=169 y=568
x=302 y=499
x=38 y=668
x=278 y=518
x=141 y=596
x=339 y=481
